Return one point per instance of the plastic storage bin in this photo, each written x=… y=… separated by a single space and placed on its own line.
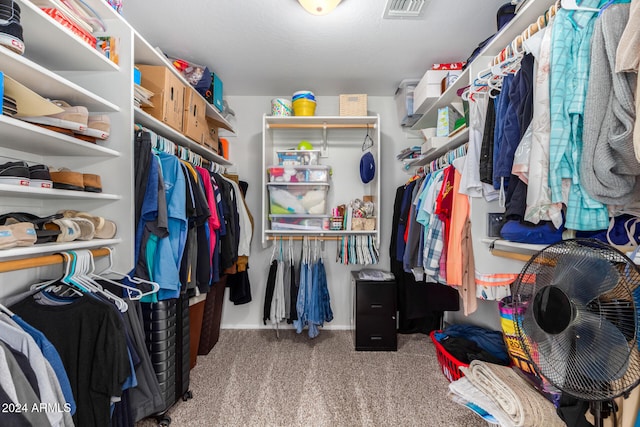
x=299 y=222
x=450 y=365
x=298 y=157
x=298 y=173
x=298 y=198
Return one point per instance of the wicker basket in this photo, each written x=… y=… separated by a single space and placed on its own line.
x=353 y=105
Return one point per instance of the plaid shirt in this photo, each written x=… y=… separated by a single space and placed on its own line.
x=570 y=61
x=434 y=237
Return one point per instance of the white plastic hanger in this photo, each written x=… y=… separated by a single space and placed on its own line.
x=155 y=287
x=573 y=5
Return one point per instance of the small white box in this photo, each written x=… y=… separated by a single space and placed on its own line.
x=430 y=86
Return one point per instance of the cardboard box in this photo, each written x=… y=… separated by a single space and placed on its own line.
x=194 y=124
x=210 y=137
x=430 y=86
x=168 y=98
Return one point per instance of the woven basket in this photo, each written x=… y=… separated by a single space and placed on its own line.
x=353 y=105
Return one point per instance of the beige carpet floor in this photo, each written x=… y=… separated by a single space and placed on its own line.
x=252 y=378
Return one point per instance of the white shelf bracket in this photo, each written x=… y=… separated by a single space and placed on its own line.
x=324 y=151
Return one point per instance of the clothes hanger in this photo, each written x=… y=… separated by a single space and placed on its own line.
x=132 y=293
x=155 y=287
x=83 y=268
x=573 y=5
x=368 y=142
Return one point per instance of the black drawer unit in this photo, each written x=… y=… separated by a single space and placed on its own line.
x=374 y=314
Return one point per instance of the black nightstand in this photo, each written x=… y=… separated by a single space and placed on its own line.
x=373 y=319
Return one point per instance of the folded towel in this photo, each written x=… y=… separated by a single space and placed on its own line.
x=523 y=405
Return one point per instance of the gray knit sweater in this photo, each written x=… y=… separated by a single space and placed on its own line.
x=609 y=170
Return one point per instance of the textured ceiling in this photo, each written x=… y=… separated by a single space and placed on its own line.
x=274 y=47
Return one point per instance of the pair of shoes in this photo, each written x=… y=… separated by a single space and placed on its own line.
x=72 y=118
x=17 y=234
x=98 y=127
x=72 y=229
x=43 y=235
x=15 y=173
x=20 y=173
x=10 y=28
x=104 y=228
x=66 y=179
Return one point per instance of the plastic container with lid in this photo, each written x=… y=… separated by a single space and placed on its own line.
x=298 y=157
x=299 y=173
x=299 y=222
x=297 y=198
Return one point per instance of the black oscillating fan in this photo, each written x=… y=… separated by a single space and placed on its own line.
x=576 y=315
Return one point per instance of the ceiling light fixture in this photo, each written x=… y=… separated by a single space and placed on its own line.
x=319 y=7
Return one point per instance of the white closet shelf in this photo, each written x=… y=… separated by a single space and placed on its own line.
x=430 y=116
x=24 y=136
x=319 y=122
x=173 y=135
x=49 y=84
x=527 y=15
x=56 y=47
x=454 y=142
x=146 y=54
x=9 y=190
x=51 y=248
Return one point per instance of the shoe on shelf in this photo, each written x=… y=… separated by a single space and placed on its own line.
x=10 y=29
x=68 y=230
x=65 y=179
x=72 y=118
x=92 y=183
x=104 y=228
x=39 y=176
x=98 y=126
x=24 y=233
x=16 y=173
x=43 y=234
x=9 y=106
x=7 y=239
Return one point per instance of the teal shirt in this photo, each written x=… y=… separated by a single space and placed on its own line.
x=569 y=78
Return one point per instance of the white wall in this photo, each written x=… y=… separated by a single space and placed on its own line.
x=245 y=153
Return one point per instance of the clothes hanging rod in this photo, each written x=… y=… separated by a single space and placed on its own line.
x=311 y=237
x=42 y=261
x=320 y=126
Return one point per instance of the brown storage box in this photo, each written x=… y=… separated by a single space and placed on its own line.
x=353 y=105
x=168 y=98
x=196 y=312
x=211 y=137
x=194 y=123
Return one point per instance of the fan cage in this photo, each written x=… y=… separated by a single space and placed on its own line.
x=600 y=371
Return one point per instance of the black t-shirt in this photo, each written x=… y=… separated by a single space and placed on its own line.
x=89 y=337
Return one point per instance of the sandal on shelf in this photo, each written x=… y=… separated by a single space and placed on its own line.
x=43 y=235
x=104 y=228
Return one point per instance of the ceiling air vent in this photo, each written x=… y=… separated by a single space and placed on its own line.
x=404 y=9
